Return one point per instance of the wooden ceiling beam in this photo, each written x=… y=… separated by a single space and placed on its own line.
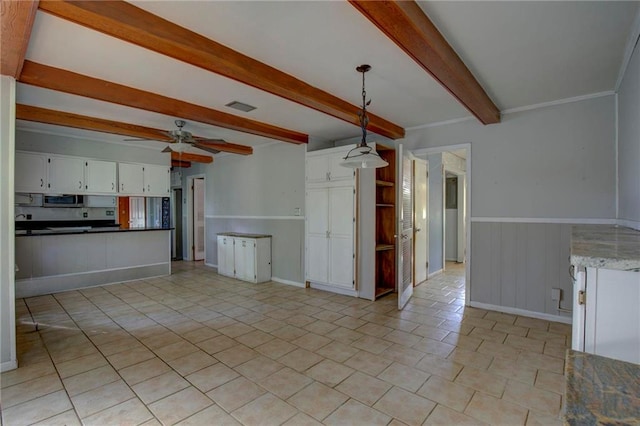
x=228 y=147
x=183 y=164
x=16 y=21
x=188 y=156
x=77 y=84
x=77 y=121
x=406 y=24
x=134 y=25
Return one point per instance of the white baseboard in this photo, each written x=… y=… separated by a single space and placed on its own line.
x=8 y=365
x=332 y=289
x=288 y=282
x=521 y=312
x=433 y=274
x=629 y=224
x=210 y=265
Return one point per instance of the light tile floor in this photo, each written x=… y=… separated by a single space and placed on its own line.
x=196 y=348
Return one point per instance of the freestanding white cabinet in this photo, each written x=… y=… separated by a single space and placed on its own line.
x=246 y=257
x=330 y=222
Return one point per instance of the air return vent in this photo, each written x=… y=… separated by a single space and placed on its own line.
x=240 y=106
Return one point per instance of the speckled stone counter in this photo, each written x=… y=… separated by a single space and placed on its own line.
x=605 y=246
x=241 y=235
x=601 y=390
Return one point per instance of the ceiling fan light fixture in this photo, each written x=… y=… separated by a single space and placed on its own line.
x=241 y=106
x=363 y=156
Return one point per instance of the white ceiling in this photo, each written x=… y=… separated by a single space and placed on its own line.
x=522 y=53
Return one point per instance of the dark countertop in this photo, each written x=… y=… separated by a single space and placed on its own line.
x=72 y=231
x=240 y=234
x=601 y=390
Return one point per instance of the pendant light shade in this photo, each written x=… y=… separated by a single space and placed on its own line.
x=363 y=156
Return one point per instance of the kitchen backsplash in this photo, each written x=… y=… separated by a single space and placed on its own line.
x=44 y=213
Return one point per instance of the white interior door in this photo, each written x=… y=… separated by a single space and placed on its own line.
x=341 y=221
x=136 y=212
x=317 y=222
x=421 y=220
x=404 y=243
x=198 y=219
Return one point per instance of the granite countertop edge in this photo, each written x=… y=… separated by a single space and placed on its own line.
x=605 y=246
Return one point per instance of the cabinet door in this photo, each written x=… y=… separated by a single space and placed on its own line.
x=156 y=180
x=225 y=256
x=130 y=179
x=30 y=172
x=100 y=177
x=341 y=224
x=338 y=172
x=317 y=223
x=317 y=169
x=65 y=175
x=612 y=318
x=244 y=259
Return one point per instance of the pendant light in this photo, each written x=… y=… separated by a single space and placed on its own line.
x=363 y=156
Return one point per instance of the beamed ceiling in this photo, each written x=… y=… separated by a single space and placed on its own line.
x=113 y=70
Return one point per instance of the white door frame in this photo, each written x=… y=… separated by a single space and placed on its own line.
x=424 y=231
x=189 y=213
x=423 y=153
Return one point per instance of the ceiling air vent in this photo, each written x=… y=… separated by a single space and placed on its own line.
x=240 y=106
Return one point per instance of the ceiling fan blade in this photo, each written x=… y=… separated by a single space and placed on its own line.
x=142 y=139
x=227 y=146
x=206 y=148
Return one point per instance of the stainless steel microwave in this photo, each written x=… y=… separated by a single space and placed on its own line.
x=63 y=201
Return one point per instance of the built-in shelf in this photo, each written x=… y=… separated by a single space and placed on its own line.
x=384 y=205
x=383 y=183
x=384 y=247
x=381 y=291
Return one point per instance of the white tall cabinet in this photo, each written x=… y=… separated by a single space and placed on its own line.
x=330 y=222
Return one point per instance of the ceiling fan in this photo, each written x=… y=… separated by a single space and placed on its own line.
x=183 y=139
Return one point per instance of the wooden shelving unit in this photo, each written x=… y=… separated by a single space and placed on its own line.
x=385 y=224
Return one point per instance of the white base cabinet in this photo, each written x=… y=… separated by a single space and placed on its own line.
x=606 y=318
x=245 y=257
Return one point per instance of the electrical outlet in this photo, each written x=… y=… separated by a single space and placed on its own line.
x=110 y=213
x=29 y=217
x=556 y=293
x=85 y=214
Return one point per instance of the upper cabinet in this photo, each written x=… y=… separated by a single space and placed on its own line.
x=30 y=172
x=157 y=180
x=65 y=175
x=130 y=178
x=324 y=166
x=59 y=174
x=100 y=177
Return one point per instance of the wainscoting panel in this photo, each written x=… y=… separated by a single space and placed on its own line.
x=516 y=265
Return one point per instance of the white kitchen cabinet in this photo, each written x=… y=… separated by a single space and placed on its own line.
x=225 y=256
x=130 y=179
x=65 y=175
x=606 y=318
x=330 y=226
x=99 y=201
x=324 y=166
x=157 y=180
x=30 y=172
x=100 y=177
x=245 y=257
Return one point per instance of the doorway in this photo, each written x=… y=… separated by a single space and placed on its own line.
x=445 y=161
x=421 y=220
x=176 y=224
x=195 y=218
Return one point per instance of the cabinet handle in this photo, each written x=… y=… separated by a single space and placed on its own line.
x=41 y=182
x=113 y=186
x=148 y=188
x=80 y=184
x=122 y=187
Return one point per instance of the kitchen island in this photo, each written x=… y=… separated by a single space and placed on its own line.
x=55 y=260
